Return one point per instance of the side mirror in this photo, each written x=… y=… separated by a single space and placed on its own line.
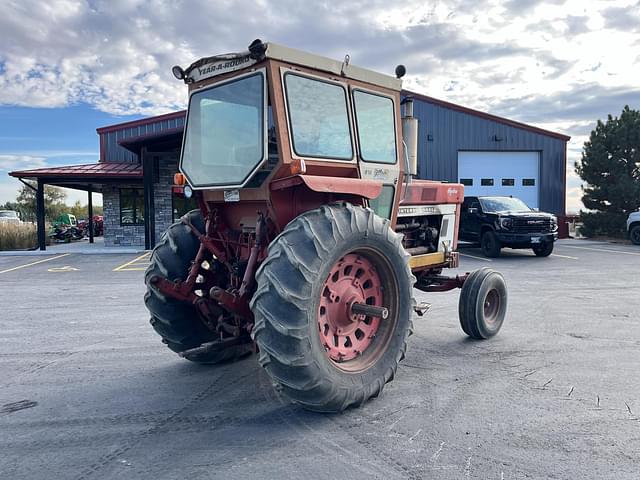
x=472 y=210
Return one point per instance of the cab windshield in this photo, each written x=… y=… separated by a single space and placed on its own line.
x=503 y=204
x=224 y=139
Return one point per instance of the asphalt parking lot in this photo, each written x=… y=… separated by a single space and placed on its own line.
x=88 y=390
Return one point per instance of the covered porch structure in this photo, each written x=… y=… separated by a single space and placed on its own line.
x=90 y=178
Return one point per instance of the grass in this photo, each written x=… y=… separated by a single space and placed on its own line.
x=18 y=237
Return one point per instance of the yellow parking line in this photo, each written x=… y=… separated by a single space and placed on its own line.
x=477 y=258
x=34 y=263
x=131 y=265
x=608 y=250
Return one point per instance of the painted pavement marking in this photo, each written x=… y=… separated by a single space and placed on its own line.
x=477 y=258
x=607 y=250
x=137 y=264
x=564 y=256
x=34 y=263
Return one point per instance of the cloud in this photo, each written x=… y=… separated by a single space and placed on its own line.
x=559 y=64
x=623 y=18
x=9 y=162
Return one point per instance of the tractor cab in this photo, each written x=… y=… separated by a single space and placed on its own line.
x=262 y=122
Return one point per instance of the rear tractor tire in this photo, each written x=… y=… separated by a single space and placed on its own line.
x=323 y=354
x=175 y=321
x=483 y=304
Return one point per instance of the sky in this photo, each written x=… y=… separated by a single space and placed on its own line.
x=68 y=67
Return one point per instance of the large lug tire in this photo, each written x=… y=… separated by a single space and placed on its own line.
x=543 y=250
x=490 y=244
x=175 y=321
x=634 y=234
x=321 y=356
x=483 y=304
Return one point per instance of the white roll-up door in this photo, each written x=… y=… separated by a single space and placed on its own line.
x=501 y=173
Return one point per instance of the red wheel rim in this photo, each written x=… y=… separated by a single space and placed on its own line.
x=491 y=306
x=345 y=335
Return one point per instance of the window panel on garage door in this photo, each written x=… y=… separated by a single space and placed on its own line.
x=501 y=173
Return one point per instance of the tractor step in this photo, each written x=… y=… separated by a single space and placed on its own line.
x=421 y=308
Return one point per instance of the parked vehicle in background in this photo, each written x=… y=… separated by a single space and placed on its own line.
x=66 y=219
x=98 y=226
x=9 y=216
x=65 y=228
x=633 y=227
x=497 y=222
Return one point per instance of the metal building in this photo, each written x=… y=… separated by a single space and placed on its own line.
x=488 y=154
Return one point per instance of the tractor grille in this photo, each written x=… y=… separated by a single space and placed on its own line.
x=532 y=225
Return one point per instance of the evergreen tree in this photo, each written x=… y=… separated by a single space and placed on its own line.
x=610 y=167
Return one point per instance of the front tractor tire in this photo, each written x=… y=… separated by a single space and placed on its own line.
x=483 y=303
x=177 y=322
x=321 y=353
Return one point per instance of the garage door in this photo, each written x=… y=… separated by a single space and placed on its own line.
x=500 y=173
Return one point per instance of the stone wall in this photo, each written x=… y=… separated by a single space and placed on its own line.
x=116 y=235
x=167 y=166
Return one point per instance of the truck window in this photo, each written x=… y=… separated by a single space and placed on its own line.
x=376 y=127
x=318 y=118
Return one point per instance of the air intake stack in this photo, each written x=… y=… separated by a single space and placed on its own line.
x=410 y=136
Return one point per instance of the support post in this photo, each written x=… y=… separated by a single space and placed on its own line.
x=149 y=210
x=42 y=241
x=90 y=211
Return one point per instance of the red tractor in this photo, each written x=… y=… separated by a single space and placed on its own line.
x=311 y=232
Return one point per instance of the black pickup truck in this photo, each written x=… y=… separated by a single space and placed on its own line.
x=496 y=222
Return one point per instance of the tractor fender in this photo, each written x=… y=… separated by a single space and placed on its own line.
x=361 y=187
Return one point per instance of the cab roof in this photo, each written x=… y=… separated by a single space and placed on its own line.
x=217 y=65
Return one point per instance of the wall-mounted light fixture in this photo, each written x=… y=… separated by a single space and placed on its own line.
x=429 y=138
x=497 y=138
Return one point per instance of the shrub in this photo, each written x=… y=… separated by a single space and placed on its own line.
x=18 y=236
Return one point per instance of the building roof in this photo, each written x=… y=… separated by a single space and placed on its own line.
x=486 y=116
x=104 y=170
x=141 y=122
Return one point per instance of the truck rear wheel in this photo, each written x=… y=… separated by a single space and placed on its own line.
x=321 y=353
x=483 y=304
x=175 y=321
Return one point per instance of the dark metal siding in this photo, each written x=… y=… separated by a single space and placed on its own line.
x=452 y=131
x=114 y=152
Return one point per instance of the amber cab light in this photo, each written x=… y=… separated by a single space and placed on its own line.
x=298 y=167
x=178 y=179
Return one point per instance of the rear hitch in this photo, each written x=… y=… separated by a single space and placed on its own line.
x=213 y=346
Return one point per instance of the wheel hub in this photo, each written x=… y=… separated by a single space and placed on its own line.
x=491 y=306
x=347 y=334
